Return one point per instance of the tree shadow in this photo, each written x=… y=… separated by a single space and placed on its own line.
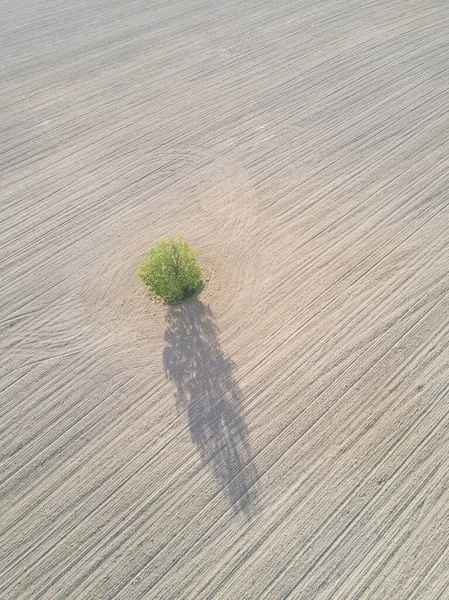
x=207 y=391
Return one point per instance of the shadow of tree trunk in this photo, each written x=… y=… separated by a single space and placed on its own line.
x=207 y=391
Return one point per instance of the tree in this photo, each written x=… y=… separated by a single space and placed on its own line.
x=171 y=270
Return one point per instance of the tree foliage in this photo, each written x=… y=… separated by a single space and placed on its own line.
x=171 y=270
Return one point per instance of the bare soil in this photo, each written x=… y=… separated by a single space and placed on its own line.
x=284 y=433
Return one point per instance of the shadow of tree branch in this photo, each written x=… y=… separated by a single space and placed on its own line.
x=207 y=391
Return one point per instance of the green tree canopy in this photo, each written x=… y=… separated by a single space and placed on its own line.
x=171 y=270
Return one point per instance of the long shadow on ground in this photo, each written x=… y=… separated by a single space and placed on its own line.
x=208 y=392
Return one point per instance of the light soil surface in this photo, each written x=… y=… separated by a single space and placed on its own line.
x=285 y=433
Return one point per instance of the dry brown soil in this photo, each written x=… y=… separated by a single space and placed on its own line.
x=284 y=434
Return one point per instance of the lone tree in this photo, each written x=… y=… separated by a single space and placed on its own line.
x=171 y=270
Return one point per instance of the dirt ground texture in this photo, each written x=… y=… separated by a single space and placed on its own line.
x=285 y=433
